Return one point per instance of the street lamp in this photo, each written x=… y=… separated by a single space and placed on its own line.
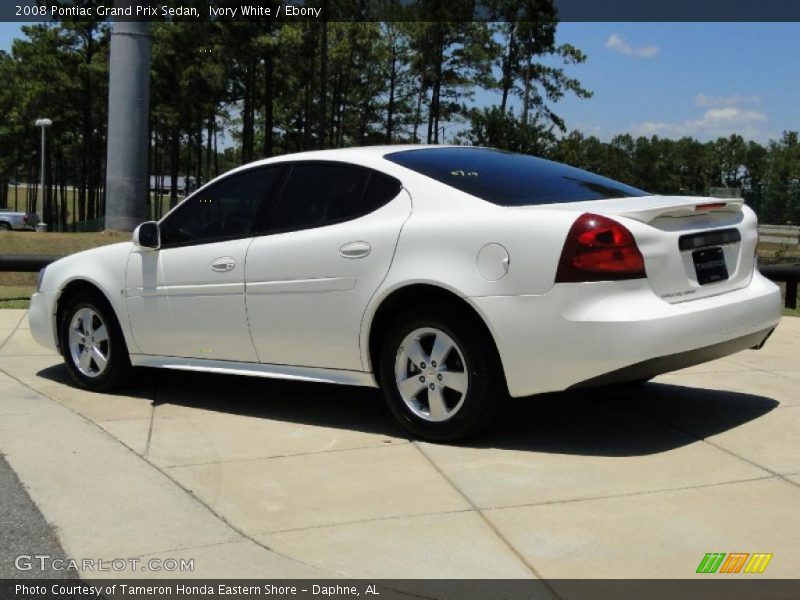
x=41 y=225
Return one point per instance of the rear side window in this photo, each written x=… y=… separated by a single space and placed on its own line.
x=510 y=179
x=380 y=190
x=318 y=194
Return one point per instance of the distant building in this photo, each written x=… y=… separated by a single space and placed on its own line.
x=163 y=184
x=725 y=192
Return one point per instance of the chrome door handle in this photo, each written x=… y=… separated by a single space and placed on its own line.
x=355 y=250
x=223 y=264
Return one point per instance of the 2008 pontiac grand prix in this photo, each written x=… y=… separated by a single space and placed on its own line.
x=448 y=276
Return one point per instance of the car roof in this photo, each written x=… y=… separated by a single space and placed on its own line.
x=373 y=157
x=357 y=154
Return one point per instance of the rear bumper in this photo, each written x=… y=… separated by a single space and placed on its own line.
x=595 y=333
x=664 y=364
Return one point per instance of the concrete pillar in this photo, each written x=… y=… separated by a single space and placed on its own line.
x=128 y=110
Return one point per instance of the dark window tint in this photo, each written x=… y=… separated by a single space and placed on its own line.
x=380 y=190
x=510 y=179
x=320 y=194
x=226 y=210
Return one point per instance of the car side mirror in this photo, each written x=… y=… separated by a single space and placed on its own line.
x=147 y=236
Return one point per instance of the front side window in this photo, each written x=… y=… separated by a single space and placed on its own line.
x=226 y=210
x=510 y=179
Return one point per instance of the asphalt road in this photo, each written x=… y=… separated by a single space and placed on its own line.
x=24 y=531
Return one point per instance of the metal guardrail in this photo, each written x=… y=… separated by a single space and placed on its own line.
x=788 y=274
x=26 y=263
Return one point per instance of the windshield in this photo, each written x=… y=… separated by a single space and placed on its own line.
x=510 y=179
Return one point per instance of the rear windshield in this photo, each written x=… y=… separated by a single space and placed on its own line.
x=510 y=179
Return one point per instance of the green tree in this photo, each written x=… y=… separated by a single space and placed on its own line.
x=496 y=128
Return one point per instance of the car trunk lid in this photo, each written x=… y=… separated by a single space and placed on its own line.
x=693 y=247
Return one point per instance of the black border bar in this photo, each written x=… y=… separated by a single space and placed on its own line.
x=419 y=10
x=703 y=587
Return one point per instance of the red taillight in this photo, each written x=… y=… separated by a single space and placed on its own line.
x=599 y=249
x=710 y=206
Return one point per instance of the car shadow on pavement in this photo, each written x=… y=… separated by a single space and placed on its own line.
x=304 y=403
x=137 y=388
x=648 y=419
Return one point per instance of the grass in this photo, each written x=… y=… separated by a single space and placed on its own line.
x=15 y=296
x=16 y=303
x=29 y=242
x=55 y=244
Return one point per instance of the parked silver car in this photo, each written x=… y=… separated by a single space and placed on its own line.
x=17 y=220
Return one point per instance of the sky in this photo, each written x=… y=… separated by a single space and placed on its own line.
x=672 y=79
x=676 y=79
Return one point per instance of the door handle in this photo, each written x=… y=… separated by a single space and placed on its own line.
x=355 y=250
x=223 y=264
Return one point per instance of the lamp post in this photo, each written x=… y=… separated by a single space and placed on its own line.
x=41 y=225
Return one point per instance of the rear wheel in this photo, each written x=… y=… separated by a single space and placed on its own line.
x=5 y=227
x=631 y=385
x=440 y=377
x=92 y=344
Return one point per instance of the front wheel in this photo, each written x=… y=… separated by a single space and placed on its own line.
x=440 y=377
x=92 y=344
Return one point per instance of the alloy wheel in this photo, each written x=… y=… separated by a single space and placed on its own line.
x=89 y=344
x=431 y=374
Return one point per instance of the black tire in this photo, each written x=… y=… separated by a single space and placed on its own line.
x=118 y=364
x=486 y=388
x=630 y=385
x=5 y=227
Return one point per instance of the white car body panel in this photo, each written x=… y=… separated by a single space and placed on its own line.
x=294 y=307
x=657 y=226
x=305 y=301
x=103 y=268
x=227 y=367
x=179 y=306
x=583 y=330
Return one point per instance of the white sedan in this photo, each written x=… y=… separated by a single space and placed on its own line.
x=450 y=277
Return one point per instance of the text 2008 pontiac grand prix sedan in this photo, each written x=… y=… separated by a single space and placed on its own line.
x=447 y=276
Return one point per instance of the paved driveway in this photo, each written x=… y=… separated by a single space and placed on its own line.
x=638 y=484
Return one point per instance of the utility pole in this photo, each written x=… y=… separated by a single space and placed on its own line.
x=128 y=113
x=41 y=225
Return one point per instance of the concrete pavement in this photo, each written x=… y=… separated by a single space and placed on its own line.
x=262 y=478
